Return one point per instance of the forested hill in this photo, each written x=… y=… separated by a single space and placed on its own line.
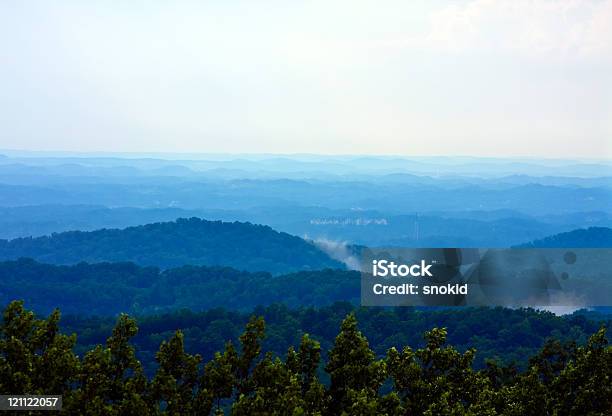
x=194 y=241
x=111 y=288
x=593 y=237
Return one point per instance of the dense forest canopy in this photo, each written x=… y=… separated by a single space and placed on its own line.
x=506 y=335
x=111 y=288
x=192 y=241
x=245 y=379
x=211 y=304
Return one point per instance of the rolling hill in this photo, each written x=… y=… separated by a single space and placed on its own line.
x=592 y=237
x=194 y=241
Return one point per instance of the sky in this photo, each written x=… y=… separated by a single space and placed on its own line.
x=480 y=77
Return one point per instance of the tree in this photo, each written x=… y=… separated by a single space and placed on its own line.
x=34 y=357
x=176 y=380
x=276 y=391
x=353 y=368
x=219 y=379
x=563 y=379
x=437 y=379
x=584 y=385
x=111 y=380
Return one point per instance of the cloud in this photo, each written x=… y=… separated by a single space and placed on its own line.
x=564 y=28
x=338 y=250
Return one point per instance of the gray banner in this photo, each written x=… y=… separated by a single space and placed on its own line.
x=486 y=277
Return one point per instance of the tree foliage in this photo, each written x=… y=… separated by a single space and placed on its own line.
x=437 y=379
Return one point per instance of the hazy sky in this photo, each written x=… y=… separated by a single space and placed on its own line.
x=490 y=78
